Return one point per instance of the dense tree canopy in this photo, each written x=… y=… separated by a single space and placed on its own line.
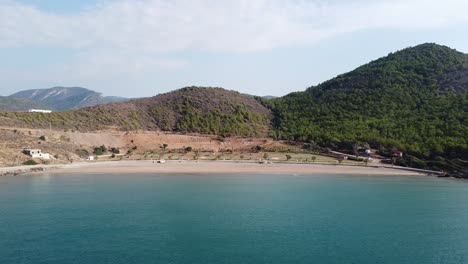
x=415 y=100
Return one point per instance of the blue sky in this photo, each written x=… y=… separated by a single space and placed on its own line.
x=137 y=48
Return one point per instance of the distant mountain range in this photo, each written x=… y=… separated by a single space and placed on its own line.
x=20 y=104
x=64 y=98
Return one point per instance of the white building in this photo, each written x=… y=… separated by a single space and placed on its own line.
x=40 y=111
x=90 y=158
x=36 y=154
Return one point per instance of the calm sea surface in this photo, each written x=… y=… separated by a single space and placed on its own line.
x=145 y=218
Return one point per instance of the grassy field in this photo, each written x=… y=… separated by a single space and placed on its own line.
x=237 y=156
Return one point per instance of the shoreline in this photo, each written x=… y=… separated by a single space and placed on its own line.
x=206 y=167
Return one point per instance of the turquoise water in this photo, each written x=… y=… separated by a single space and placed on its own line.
x=232 y=219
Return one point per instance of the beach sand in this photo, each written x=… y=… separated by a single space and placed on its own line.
x=207 y=167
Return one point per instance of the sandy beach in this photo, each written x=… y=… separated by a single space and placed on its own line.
x=206 y=167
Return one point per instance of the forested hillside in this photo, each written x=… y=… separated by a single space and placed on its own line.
x=192 y=109
x=415 y=100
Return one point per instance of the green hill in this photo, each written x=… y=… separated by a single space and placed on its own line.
x=192 y=109
x=415 y=100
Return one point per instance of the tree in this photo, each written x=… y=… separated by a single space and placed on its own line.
x=98 y=151
x=313 y=158
x=288 y=157
x=164 y=146
x=104 y=149
x=188 y=149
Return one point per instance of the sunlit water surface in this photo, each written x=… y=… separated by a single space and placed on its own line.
x=144 y=218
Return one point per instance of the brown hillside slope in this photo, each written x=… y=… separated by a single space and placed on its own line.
x=188 y=110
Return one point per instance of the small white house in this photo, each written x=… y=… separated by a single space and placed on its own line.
x=90 y=158
x=36 y=154
x=40 y=111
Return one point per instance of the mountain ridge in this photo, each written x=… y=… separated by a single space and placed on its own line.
x=20 y=104
x=67 y=98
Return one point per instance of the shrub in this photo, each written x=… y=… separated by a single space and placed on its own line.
x=98 y=151
x=355 y=159
x=83 y=153
x=43 y=138
x=188 y=149
x=115 y=150
x=30 y=163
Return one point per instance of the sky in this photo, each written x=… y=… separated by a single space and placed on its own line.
x=140 y=48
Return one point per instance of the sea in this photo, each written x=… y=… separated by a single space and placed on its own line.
x=229 y=218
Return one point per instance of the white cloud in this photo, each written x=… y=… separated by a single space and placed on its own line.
x=135 y=37
x=162 y=26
